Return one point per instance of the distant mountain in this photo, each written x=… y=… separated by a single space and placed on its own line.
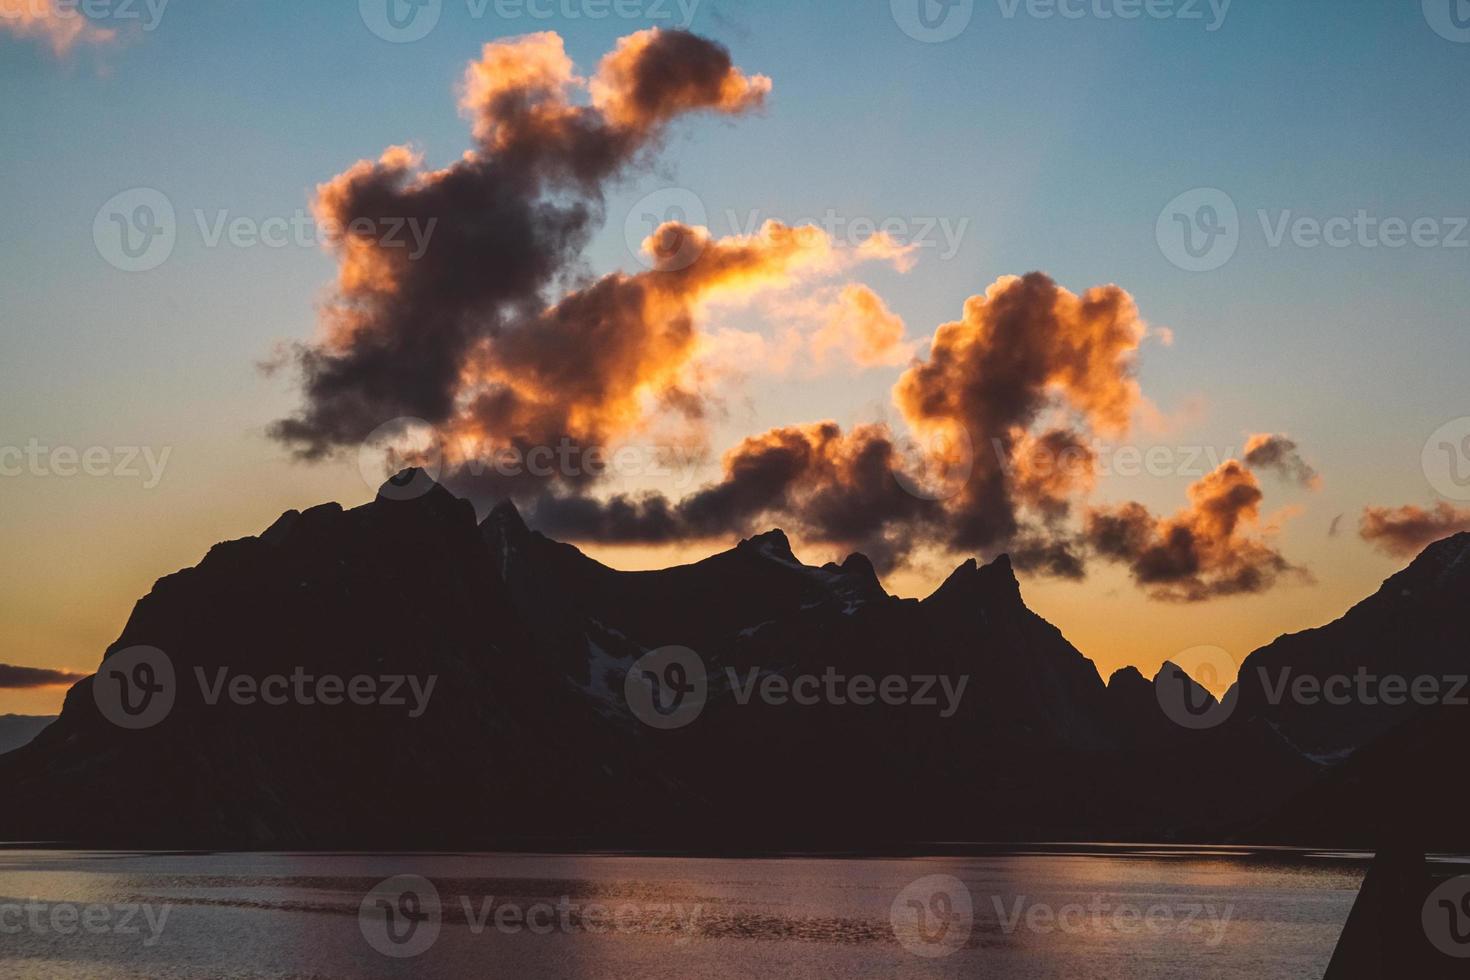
x=17 y=730
x=964 y=716
x=1415 y=628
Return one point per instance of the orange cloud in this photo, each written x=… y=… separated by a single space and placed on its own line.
x=1405 y=531
x=440 y=334
x=861 y=327
x=62 y=27
x=1203 y=551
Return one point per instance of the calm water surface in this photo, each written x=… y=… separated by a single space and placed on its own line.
x=1057 y=912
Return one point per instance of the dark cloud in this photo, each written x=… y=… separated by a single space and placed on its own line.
x=14 y=678
x=1276 y=452
x=1202 y=552
x=1405 y=531
x=421 y=335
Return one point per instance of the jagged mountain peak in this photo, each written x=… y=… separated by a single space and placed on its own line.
x=506 y=517
x=772 y=544
x=972 y=581
x=1128 y=678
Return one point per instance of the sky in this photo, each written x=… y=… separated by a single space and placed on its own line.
x=1313 y=151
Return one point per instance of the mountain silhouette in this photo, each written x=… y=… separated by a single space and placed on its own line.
x=963 y=716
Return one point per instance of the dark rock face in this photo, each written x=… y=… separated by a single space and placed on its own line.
x=836 y=715
x=1414 y=628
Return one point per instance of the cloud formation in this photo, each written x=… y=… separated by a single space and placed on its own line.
x=13 y=678
x=437 y=336
x=61 y=27
x=1405 y=531
x=1280 y=453
x=496 y=337
x=1202 y=552
x=1024 y=348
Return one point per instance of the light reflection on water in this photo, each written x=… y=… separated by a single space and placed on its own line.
x=1043 y=912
